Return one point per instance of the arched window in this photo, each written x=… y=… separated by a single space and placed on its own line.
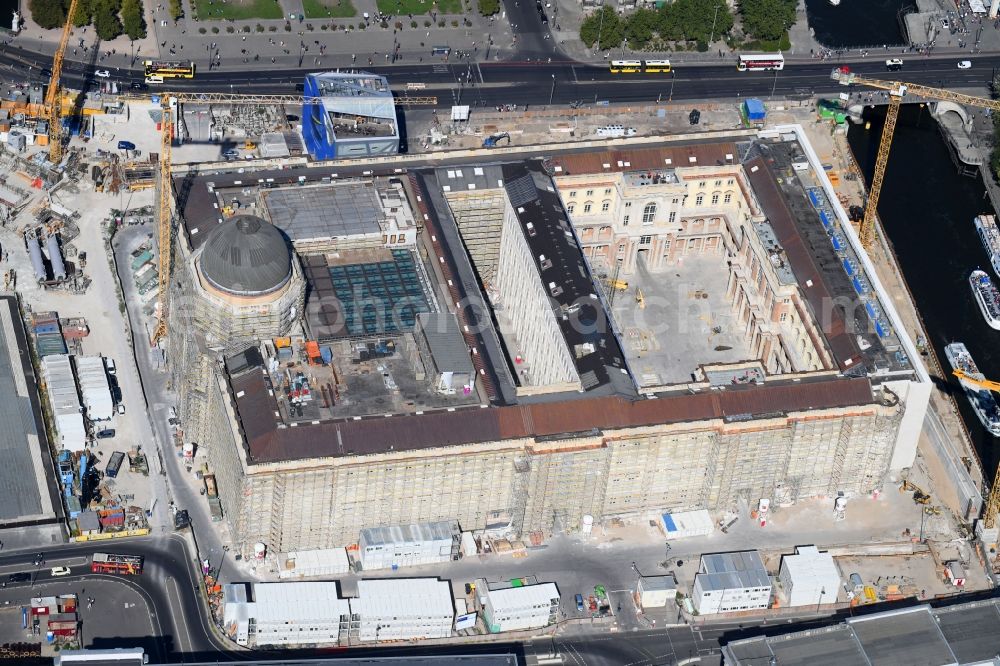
x=649 y=213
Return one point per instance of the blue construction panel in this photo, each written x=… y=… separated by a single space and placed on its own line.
x=47 y=328
x=814 y=198
x=858 y=287
x=871 y=310
x=668 y=520
x=314 y=131
x=754 y=109
x=883 y=331
x=824 y=218
x=837 y=245
x=848 y=266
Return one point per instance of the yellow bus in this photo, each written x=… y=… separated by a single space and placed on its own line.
x=640 y=66
x=656 y=66
x=626 y=66
x=158 y=70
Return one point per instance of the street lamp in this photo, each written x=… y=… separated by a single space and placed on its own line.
x=553 y=90
x=714 y=18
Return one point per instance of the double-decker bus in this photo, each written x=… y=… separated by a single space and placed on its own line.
x=116 y=563
x=761 y=62
x=640 y=66
x=159 y=70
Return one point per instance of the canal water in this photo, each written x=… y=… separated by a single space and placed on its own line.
x=927 y=210
x=856 y=22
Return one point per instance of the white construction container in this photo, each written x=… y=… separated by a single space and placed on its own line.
x=809 y=577
x=656 y=591
x=409 y=545
x=517 y=608
x=61 y=387
x=469 y=547
x=94 y=388
x=684 y=524
x=403 y=609
x=303 y=563
x=300 y=613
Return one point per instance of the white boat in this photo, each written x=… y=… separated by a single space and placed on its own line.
x=982 y=400
x=834 y=2
x=986 y=225
x=987 y=297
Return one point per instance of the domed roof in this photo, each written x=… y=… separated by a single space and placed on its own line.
x=246 y=256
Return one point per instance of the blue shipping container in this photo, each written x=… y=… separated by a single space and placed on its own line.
x=754 y=108
x=824 y=218
x=848 y=267
x=871 y=310
x=814 y=197
x=858 y=287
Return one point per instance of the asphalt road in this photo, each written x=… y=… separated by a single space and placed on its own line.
x=167 y=585
x=527 y=82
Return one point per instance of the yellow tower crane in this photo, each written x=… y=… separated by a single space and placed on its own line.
x=897 y=91
x=993 y=500
x=170 y=107
x=53 y=96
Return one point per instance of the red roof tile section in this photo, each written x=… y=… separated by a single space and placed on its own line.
x=269 y=440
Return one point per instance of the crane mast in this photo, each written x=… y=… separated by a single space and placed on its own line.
x=897 y=91
x=53 y=96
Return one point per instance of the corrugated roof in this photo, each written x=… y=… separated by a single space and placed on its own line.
x=637 y=159
x=401 y=598
x=727 y=571
x=298 y=602
x=442 y=530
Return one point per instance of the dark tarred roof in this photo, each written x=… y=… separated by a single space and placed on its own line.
x=829 y=317
x=267 y=442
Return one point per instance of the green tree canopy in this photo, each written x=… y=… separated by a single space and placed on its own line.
x=489 y=7
x=695 y=20
x=133 y=20
x=604 y=25
x=106 y=21
x=767 y=19
x=640 y=26
x=48 y=13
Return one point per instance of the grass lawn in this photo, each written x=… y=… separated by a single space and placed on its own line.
x=239 y=10
x=319 y=9
x=415 y=7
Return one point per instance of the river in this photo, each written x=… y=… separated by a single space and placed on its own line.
x=927 y=209
x=856 y=22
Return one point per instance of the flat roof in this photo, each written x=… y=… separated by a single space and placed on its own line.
x=27 y=481
x=268 y=439
x=498 y=659
x=447 y=346
x=566 y=278
x=919 y=636
x=728 y=571
x=403 y=598
x=298 y=602
x=441 y=530
x=541 y=594
x=325 y=211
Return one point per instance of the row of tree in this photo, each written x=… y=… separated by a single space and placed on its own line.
x=684 y=22
x=110 y=18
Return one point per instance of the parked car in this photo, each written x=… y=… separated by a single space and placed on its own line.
x=894 y=64
x=121 y=408
x=126 y=145
x=579 y=602
x=139 y=85
x=18 y=577
x=231 y=154
x=109 y=363
x=102 y=73
x=60 y=571
x=107 y=433
x=965 y=64
x=694 y=117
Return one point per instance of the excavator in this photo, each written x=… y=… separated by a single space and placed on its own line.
x=919 y=496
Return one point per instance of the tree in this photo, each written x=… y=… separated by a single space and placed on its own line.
x=84 y=13
x=106 y=21
x=767 y=19
x=694 y=20
x=603 y=25
x=133 y=20
x=48 y=13
x=640 y=26
x=489 y=7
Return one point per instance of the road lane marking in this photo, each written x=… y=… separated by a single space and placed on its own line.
x=180 y=626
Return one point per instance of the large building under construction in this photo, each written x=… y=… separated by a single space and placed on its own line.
x=522 y=344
